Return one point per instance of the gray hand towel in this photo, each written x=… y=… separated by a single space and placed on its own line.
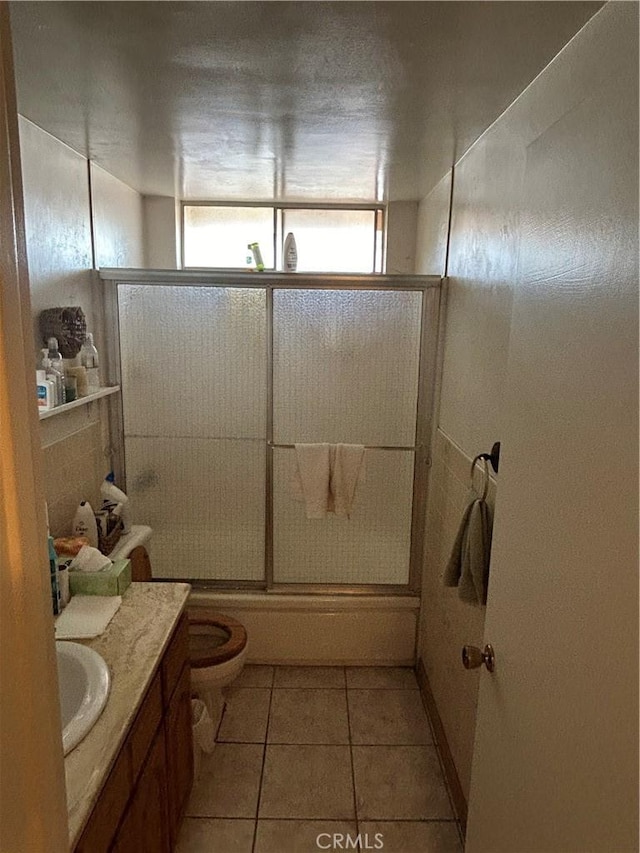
x=468 y=566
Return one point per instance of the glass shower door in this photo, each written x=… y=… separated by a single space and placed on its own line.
x=346 y=369
x=194 y=407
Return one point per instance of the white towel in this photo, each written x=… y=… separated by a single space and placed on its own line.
x=311 y=483
x=86 y=616
x=347 y=469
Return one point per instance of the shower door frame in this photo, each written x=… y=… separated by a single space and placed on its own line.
x=429 y=286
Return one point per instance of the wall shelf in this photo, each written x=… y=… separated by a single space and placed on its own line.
x=81 y=401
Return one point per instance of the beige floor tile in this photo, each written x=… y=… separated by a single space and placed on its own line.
x=245 y=715
x=388 y=717
x=204 y=835
x=380 y=677
x=413 y=836
x=229 y=782
x=255 y=676
x=308 y=716
x=307 y=782
x=399 y=783
x=309 y=676
x=302 y=836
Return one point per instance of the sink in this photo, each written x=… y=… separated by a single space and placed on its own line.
x=83 y=682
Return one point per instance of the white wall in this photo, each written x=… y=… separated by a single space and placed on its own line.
x=485 y=242
x=433 y=229
x=117 y=221
x=161 y=232
x=402 y=217
x=62 y=251
x=58 y=224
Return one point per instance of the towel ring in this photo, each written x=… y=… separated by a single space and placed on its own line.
x=481 y=457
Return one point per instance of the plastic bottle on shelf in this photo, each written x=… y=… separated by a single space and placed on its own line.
x=52 y=376
x=84 y=524
x=45 y=390
x=58 y=366
x=111 y=494
x=290 y=253
x=90 y=361
x=257 y=256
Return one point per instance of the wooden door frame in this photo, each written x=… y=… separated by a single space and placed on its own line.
x=33 y=810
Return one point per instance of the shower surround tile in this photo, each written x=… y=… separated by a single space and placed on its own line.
x=308 y=716
x=388 y=717
x=309 y=782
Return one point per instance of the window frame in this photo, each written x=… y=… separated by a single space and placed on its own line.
x=379 y=227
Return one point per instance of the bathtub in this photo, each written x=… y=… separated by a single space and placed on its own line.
x=350 y=630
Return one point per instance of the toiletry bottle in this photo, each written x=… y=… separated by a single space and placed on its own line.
x=53 y=569
x=84 y=524
x=57 y=364
x=45 y=391
x=113 y=495
x=51 y=376
x=257 y=255
x=63 y=584
x=90 y=361
x=290 y=253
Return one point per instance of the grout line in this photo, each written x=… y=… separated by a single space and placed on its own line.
x=264 y=759
x=353 y=771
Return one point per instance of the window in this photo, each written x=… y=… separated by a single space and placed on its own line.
x=328 y=239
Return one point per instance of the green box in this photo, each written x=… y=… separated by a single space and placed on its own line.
x=111 y=581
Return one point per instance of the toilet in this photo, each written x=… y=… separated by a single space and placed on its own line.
x=217 y=643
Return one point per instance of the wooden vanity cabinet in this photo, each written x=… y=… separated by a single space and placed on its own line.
x=143 y=800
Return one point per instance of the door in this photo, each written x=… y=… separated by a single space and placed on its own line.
x=555 y=760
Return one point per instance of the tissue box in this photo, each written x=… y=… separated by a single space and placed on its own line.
x=111 y=581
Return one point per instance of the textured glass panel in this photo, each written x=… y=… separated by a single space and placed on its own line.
x=193 y=360
x=370 y=547
x=332 y=240
x=346 y=366
x=219 y=236
x=204 y=500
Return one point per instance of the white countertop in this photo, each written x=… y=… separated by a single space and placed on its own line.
x=132 y=646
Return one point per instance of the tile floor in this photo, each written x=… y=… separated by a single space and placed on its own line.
x=307 y=758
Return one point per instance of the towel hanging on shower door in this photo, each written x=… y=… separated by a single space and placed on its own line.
x=312 y=480
x=327 y=476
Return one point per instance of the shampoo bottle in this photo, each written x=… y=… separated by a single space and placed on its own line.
x=84 y=523
x=290 y=253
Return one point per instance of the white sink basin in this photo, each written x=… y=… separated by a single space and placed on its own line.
x=83 y=680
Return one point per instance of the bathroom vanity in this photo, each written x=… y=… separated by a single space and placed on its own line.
x=129 y=780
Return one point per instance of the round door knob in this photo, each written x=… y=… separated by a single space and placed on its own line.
x=472 y=657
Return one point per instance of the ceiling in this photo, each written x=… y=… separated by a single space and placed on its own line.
x=325 y=101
